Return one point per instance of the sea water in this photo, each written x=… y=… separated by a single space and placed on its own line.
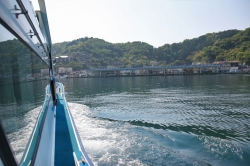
x=162 y=120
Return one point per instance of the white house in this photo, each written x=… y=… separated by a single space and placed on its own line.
x=65 y=70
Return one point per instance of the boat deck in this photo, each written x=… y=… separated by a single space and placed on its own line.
x=63 y=145
x=55 y=139
x=68 y=147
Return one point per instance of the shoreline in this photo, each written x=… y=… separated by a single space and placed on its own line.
x=143 y=75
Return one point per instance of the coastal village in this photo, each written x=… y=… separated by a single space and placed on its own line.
x=217 y=67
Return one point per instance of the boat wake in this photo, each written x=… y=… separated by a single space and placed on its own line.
x=116 y=142
x=119 y=142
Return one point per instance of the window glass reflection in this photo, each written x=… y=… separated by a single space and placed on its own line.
x=23 y=78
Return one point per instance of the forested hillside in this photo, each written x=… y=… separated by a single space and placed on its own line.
x=93 y=52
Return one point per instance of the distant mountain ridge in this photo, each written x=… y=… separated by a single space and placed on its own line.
x=93 y=52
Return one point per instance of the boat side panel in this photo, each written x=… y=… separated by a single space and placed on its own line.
x=78 y=141
x=34 y=140
x=45 y=154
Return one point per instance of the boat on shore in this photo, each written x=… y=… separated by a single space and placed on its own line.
x=25 y=49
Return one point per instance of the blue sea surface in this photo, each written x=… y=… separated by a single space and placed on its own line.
x=172 y=120
x=157 y=120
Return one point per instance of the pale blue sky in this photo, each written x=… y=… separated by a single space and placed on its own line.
x=156 y=22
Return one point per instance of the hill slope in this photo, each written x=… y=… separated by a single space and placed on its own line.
x=93 y=52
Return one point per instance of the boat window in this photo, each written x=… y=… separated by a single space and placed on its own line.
x=23 y=78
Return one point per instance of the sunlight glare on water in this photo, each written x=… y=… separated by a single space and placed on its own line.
x=201 y=121
x=191 y=120
x=120 y=143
